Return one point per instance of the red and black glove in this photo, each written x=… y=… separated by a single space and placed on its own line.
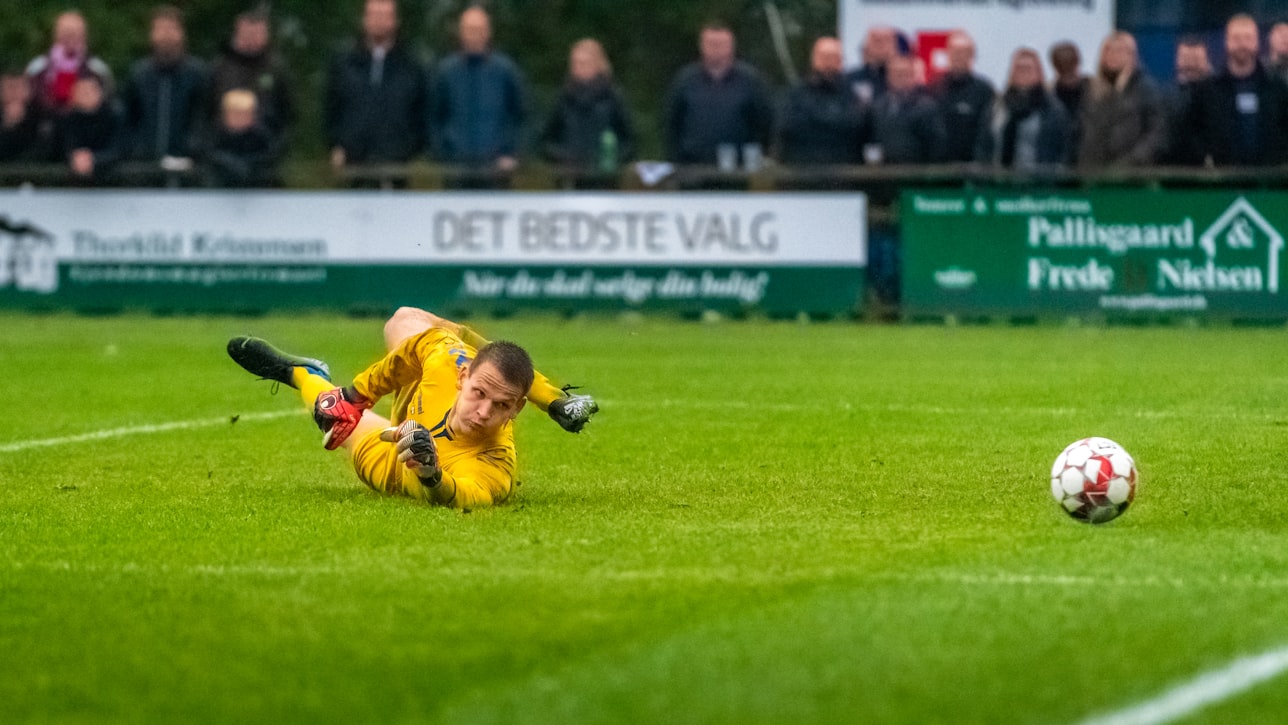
x=337 y=412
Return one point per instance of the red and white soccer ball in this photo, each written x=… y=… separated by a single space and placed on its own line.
x=1094 y=480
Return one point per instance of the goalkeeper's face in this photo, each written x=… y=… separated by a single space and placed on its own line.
x=486 y=401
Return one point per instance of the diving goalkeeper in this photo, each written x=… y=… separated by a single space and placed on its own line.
x=450 y=440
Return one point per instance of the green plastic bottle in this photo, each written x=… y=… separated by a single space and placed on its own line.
x=608 y=151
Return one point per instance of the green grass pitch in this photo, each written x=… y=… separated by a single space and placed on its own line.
x=768 y=523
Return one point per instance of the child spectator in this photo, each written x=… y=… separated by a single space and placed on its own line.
x=243 y=151
x=92 y=133
x=19 y=127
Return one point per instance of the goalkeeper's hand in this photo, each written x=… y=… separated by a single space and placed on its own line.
x=416 y=449
x=572 y=411
x=337 y=412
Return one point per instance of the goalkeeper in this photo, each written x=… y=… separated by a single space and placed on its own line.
x=450 y=439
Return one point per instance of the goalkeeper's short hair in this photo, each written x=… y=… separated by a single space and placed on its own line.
x=513 y=362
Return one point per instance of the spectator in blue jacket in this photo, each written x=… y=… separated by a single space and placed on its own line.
x=715 y=101
x=375 y=95
x=165 y=99
x=477 y=104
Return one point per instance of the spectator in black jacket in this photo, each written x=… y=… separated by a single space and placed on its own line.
x=92 y=133
x=822 y=121
x=868 y=81
x=718 y=100
x=1192 y=66
x=165 y=100
x=906 y=125
x=965 y=98
x=250 y=62
x=590 y=126
x=374 y=106
x=1240 y=116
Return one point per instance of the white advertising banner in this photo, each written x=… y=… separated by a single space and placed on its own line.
x=998 y=26
x=339 y=228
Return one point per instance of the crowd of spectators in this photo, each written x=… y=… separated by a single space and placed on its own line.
x=230 y=118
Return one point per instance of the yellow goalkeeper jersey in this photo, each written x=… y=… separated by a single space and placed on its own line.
x=422 y=375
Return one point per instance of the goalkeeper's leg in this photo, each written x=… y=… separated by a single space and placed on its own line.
x=308 y=376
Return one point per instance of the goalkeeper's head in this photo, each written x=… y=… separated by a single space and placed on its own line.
x=492 y=389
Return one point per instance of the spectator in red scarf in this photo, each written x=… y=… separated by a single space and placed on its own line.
x=53 y=74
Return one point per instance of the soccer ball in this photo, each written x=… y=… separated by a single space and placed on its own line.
x=1094 y=480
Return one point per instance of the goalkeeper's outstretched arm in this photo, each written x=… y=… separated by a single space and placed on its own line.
x=569 y=410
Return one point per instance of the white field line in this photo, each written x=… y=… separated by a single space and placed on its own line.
x=1082 y=581
x=133 y=430
x=1206 y=689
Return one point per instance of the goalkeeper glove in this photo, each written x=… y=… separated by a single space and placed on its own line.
x=572 y=412
x=337 y=412
x=416 y=449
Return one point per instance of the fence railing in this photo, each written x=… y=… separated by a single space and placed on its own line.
x=879 y=181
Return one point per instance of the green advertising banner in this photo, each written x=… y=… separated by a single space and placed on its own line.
x=207 y=251
x=1112 y=252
